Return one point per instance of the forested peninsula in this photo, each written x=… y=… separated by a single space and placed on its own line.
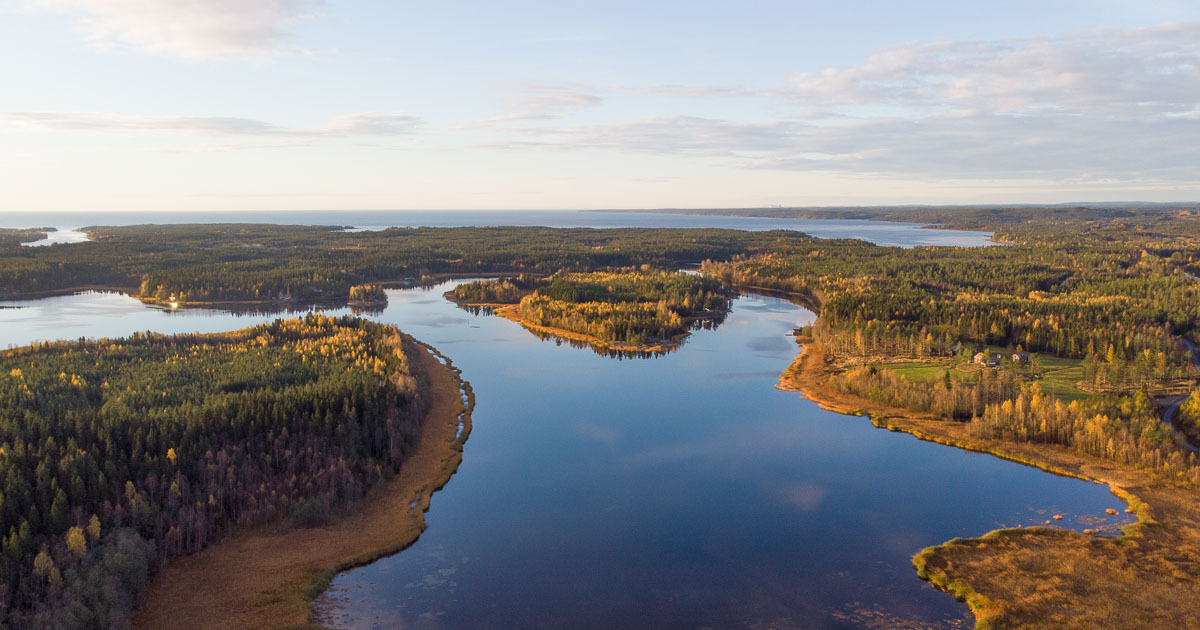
x=118 y=455
x=11 y=237
x=625 y=310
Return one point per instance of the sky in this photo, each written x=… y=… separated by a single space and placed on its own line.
x=197 y=105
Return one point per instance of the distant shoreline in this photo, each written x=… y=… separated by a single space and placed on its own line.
x=37 y=295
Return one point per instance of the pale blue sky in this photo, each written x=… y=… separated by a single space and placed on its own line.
x=307 y=104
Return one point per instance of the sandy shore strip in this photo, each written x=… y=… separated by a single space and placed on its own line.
x=264 y=580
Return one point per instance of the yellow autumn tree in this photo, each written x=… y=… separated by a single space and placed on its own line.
x=76 y=541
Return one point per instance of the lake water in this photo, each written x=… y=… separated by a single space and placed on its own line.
x=681 y=491
x=878 y=232
x=63 y=236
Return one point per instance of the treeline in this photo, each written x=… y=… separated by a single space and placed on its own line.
x=367 y=294
x=627 y=307
x=13 y=237
x=949 y=398
x=236 y=262
x=116 y=455
x=630 y=323
x=1125 y=429
x=500 y=291
x=1187 y=418
x=999 y=219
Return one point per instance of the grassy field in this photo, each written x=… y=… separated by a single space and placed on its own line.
x=929 y=372
x=1060 y=378
x=1059 y=375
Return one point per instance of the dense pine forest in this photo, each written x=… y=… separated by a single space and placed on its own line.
x=13 y=237
x=239 y=262
x=626 y=307
x=118 y=454
x=499 y=291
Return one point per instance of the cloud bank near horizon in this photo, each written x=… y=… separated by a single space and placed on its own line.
x=1108 y=109
x=1091 y=105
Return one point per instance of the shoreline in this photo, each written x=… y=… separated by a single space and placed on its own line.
x=1149 y=576
x=36 y=295
x=132 y=290
x=509 y=312
x=266 y=580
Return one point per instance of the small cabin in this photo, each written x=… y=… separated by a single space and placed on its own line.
x=982 y=358
x=1018 y=357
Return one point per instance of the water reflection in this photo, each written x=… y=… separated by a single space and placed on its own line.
x=368 y=310
x=679 y=492
x=60 y=237
x=603 y=349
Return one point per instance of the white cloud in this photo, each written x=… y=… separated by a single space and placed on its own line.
x=551 y=98
x=530 y=103
x=1099 y=73
x=362 y=124
x=695 y=91
x=192 y=28
x=370 y=124
x=1102 y=105
x=676 y=135
x=948 y=146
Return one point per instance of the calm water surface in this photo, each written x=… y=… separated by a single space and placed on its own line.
x=64 y=236
x=682 y=491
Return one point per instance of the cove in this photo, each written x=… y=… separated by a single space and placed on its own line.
x=679 y=491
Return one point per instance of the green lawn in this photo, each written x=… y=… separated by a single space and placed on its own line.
x=924 y=371
x=1060 y=375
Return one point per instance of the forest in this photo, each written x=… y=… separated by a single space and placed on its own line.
x=118 y=454
x=13 y=237
x=1188 y=418
x=367 y=294
x=319 y=264
x=499 y=291
x=631 y=307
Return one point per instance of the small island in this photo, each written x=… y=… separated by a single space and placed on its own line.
x=628 y=310
x=367 y=296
